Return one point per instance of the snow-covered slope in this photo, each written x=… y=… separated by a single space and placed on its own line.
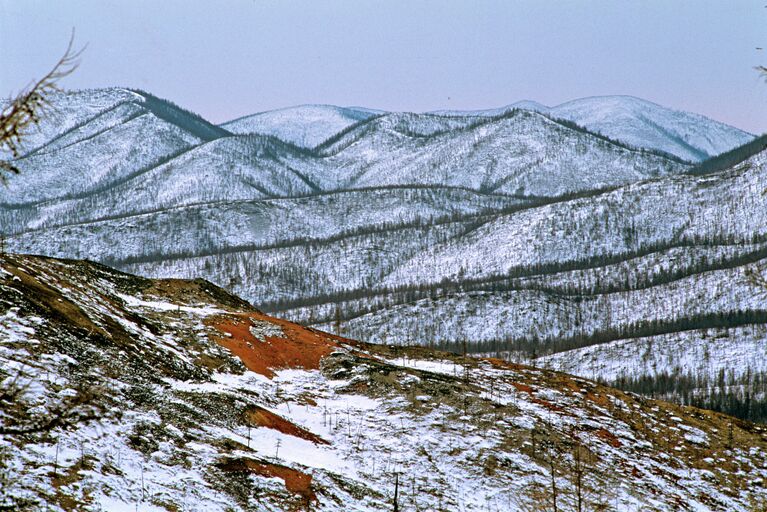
x=640 y=123
x=161 y=156
x=214 y=227
x=726 y=205
x=646 y=124
x=97 y=161
x=71 y=109
x=504 y=228
x=122 y=393
x=305 y=125
x=520 y=152
x=89 y=141
x=629 y=240
x=703 y=354
x=605 y=263
x=634 y=121
x=492 y=112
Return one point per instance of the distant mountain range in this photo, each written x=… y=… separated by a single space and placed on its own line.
x=528 y=232
x=643 y=124
x=634 y=121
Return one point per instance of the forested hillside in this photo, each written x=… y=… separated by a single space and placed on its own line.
x=515 y=232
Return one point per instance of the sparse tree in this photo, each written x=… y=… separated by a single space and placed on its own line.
x=17 y=117
x=762 y=70
x=18 y=418
x=21 y=421
x=396 y=492
x=338 y=320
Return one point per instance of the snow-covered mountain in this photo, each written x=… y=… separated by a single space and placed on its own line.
x=305 y=125
x=73 y=109
x=124 y=393
x=520 y=233
x=633 y=121
x=97 y=139
x=646 y=124
x=519 y=153
x=640 y=123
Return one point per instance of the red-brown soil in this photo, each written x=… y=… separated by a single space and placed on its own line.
x=524 y=388
x=500 y=363
x=609 y=437
x=259 y=417
x=299 y=347
x=295 y=481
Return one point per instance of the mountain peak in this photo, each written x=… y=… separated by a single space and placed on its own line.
x=303 y=125
x=643 y=123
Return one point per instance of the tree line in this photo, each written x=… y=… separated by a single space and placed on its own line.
x=534 y=347
x=743 y=396
x=511 y=280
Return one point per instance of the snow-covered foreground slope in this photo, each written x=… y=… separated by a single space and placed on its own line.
x=174 y=395
x=305 y=125
x=640 y=123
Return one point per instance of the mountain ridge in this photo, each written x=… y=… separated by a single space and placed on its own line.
x=291 y=123
x=639 y=122
x=520 y=228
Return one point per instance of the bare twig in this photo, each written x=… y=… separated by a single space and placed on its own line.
x=25 y=109
x=78 y=408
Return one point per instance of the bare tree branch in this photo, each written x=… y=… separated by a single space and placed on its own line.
x=25 y=109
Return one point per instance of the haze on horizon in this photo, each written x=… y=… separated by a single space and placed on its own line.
x=244 y=56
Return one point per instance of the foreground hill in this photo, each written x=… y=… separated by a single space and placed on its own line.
x=174 y=395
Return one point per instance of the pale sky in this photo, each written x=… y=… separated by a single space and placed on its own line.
x=225 y=59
